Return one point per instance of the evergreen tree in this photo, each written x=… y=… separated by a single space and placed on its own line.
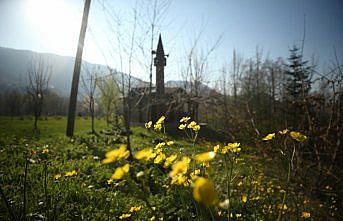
x=297 y=87
x=298 y=83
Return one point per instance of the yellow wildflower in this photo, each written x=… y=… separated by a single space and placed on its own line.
x=158 y=151
x=203 y=191
x=148 y=125
x=161 y=120
x=194 y=126
x=244 y=198
x=71 y=173
x=169 y=160
x=238 y=215
x=180 y=180
x=120 y=172
x=140 y=174
x=184 y=119
x=205 y=157
x=232 y=147
x=158 y=127
x=298 y=136
x=125 y=216
x=182 y=126
x=135 y=209
x=269 y=137
x=45 y=150
x=116 y=154
x=170 y=143
x=191 y=124
x=110 y=181
x=145 y=154
x=160 y=145
x=180 y=167
x=57 y=176
x=194 y=175
x=306 y=215
x=216 y=148
x=284 y=206
x=283 y=132
x=160 y=157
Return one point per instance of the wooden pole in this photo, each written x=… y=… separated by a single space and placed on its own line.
x=76 y=74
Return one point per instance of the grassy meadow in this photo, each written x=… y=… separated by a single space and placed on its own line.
x=168 y=177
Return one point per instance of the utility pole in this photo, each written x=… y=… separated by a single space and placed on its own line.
x=76 y=74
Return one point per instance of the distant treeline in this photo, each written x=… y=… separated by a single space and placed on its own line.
x=17 y=103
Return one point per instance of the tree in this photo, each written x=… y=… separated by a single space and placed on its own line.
x=13 y=101
x=194 y=72
x=109 y=96
x=38 y=76
x=88 y=83
x=298 y=82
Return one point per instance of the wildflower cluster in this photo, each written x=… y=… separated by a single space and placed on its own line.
x=179 y=171
x=133 y=209
x=191 y=125
x=114 y=155
x=158 y=125
x=157 y=154
x=229 y=148
x=293 y=134
x=69 y=174
x=183 y=175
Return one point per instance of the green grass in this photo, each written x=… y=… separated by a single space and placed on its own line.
x=49 y=128
x=88 y=196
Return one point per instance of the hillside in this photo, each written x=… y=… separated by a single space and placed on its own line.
x=15 y=63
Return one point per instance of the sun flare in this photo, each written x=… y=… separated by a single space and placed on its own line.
x=56 y=20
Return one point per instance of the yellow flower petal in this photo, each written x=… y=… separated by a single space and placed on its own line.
x=145 y=154
x=205 y=157
x=306 y=215
x=203 y=191
x=269 y=137
x=160 y=157
x=244 y=198
x=120 y=172
x=298 y=136
x=185 y=119
x=169 y=160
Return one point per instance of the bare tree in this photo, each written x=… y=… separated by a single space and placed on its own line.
x=88 y=83
x=195 y=71
x=38 y=76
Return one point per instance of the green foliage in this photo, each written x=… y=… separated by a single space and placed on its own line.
x=87 y=195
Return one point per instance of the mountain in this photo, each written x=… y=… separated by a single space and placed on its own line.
x=15 y=63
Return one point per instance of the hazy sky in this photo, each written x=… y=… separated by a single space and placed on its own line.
x=271 y=25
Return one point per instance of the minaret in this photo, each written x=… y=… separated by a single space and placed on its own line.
x=160 y=61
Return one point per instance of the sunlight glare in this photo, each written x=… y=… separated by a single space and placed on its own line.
x=57 y=22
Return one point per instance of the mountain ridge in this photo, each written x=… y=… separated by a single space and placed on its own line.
x=14 y=64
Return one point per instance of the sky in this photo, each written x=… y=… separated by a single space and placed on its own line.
x=272 y=26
